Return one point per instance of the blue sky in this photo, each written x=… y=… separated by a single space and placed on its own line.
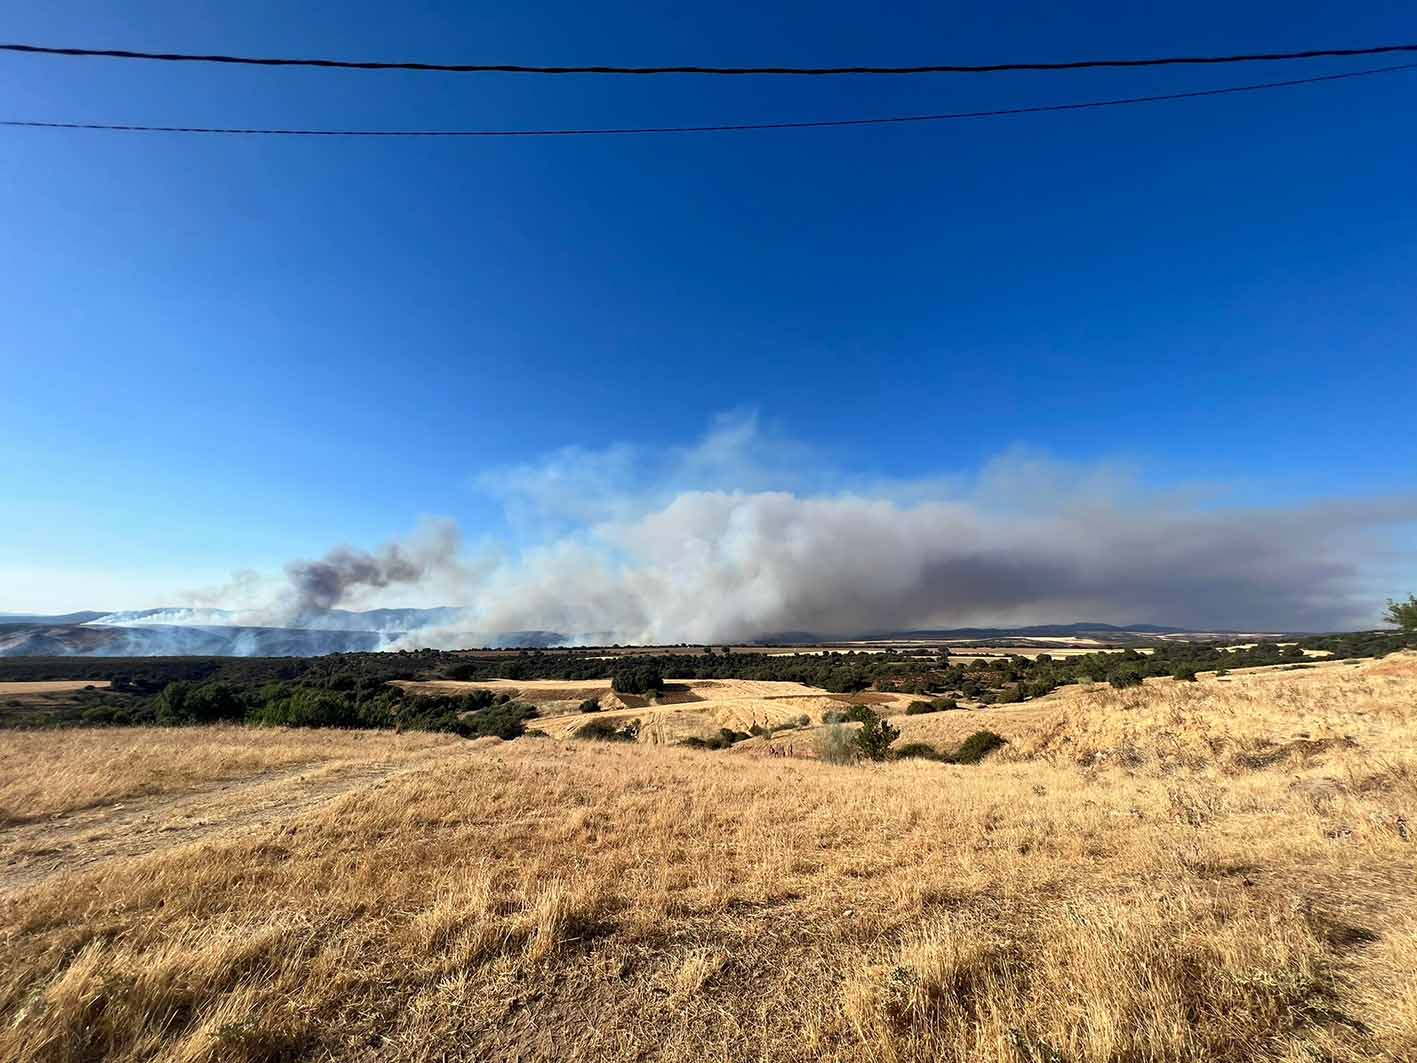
x=219 y=354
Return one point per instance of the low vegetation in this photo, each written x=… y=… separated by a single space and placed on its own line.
x=971 y=751
x=360 y=680
x=1170 y=872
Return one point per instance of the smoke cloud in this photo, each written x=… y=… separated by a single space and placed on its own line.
x=346 y=574
x=727 y=541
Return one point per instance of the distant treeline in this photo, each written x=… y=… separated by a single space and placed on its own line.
x=346 y=701
x=352 y=689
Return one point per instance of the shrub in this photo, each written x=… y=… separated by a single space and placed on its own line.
x=606 y=731
x=1403 y=614
x=876 y=735
x=725 y=738
x=1125 y=677
x=835 y=716
x=976 y=747
x=860 y=714
x=590 y=705
x=304 y=706
x=919 y=708
x=636 y=679
x=919 y=751
x=846 y=680
x=505 y=721
x=186 y=702
x=1184 y=672
x=835 y=745
x=804 y=720
x=103 y=714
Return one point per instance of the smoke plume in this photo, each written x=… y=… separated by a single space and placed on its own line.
x=345 y=573
x=727 y=541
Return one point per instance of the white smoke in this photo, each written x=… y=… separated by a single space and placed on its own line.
x=728 y=541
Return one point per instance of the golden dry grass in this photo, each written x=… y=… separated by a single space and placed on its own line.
x=688 y=707
x=47 y=772
x=52 y=686
x=1170 y=880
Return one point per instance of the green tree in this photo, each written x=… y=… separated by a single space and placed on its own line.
x=876 y=735
x=1403 y=614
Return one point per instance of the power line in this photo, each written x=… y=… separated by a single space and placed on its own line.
x=726 y=128
x=511 y=68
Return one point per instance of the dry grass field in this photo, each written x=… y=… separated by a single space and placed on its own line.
x=688 y=707
x=1221 y=870
x=53 y=686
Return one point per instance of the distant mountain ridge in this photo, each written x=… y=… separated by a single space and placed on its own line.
x=189 y=631
x=1080 y=630
x=58 y=618
x=204 y=632
x=1077 y=630
x=325 y=620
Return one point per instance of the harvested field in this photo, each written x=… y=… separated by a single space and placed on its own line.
x=1174 y=872
x=688 y=707
x=56 y=686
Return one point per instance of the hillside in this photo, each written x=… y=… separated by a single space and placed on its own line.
x=222 y=632
x=1217 y=870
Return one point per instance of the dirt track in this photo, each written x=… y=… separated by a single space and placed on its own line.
x=34 y=851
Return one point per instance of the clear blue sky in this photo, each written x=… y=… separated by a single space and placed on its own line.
x=221 y=353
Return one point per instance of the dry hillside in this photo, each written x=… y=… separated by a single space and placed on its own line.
x=1213 y=871
x=687 y=707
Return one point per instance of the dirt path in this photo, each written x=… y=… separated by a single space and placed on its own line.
x=35 y=851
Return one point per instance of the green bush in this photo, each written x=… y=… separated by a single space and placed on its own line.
x=1184 y=672
x=590 y=705
x=726 y=737
x=606 y=731
x=1403 y=614
x=835 y=716
x=920 y=708
x=919 y=751
x=98 y=715
x=876 y=735
x=311 y=707
x=189 y=702
x=636 y=679
x=506 y=721
x=1122 y=678
x=976 y=747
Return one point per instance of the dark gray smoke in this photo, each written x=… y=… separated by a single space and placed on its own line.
x=324 y=584
x=345 y=573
